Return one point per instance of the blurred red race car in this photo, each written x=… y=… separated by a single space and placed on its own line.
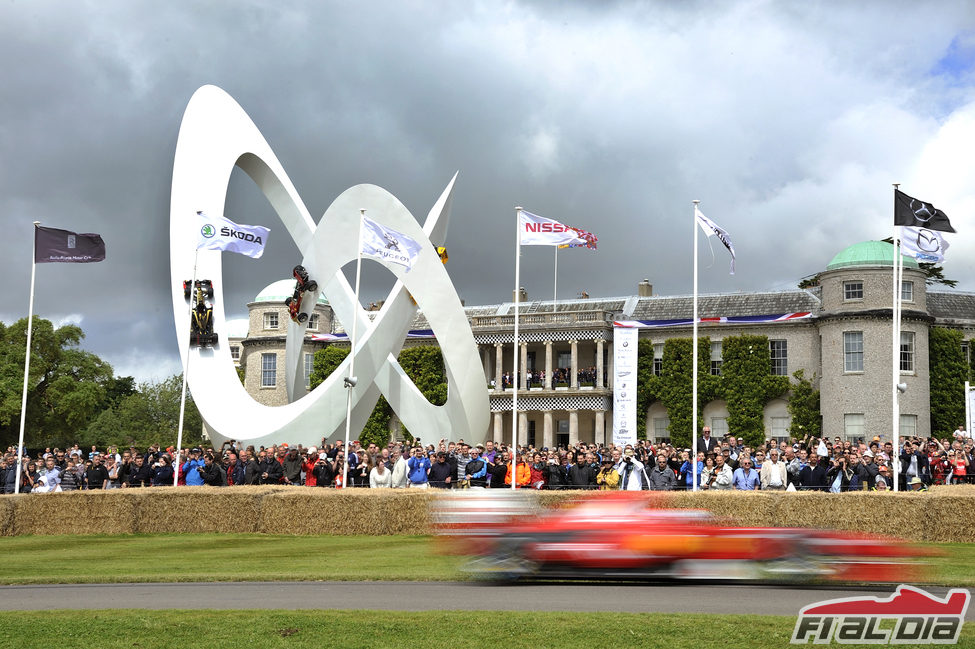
x=615 y=536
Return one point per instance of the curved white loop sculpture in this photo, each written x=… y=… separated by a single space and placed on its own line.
x=215 y=136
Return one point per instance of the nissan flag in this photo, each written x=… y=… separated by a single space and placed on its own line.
x=537 y=230
x=925 y=245
x=220 y=233
x=52 y=245
x=386 y=244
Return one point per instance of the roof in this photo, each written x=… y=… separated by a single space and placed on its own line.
x=951 y=306
x=737 y=304
x=280 y=290
x=868 y=253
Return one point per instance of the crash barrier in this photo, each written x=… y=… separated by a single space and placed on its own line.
x=940 y=514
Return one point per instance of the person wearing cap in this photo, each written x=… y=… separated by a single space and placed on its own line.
x=608 y=478
x=916 y=484
x=476 y=470
x=881 y=481
x=440 y=473
x=867 y=470
x=914 y=464
x=190 y=468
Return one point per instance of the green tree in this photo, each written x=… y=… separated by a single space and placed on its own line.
x=67 y=386
x=148 y=416
x=674 y=386
x=647 y=384
x=325 y=362
x=804 y=408
x=947 y=375
x=749 y=385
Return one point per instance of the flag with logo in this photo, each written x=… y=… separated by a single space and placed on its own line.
x=924 y=245
x=52 y=245
x=389 y=245
x=220 y=233
x=537 y=230
x=911 y=212
x=710 y=228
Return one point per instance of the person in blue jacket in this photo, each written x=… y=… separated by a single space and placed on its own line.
x=419 y=469
x=193 y=477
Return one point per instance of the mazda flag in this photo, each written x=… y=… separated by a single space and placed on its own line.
x=52 y=245
x=923 y=244
x=910 y=212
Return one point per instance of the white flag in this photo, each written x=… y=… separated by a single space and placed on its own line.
x=220 y=233
x=711 y=228
x=924 y=245
x=539 y=231
x=387 y=244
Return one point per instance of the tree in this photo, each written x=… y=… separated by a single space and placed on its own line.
x=948 y=372
x=804 y=408
x=674 y=385
x=749 y=385
x=148 y=416
x=67 y=386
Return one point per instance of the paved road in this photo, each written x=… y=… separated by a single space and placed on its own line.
x=425 y=596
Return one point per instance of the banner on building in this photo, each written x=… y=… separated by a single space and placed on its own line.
x=625 y=342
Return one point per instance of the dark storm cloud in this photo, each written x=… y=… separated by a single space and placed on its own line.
x=611 y=117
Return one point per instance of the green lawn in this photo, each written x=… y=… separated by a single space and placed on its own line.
x=258 y=557
x=377 y=629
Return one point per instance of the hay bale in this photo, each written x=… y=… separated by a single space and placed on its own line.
x=76 y=512
x=7 y=511
x=352 y=511
x=199 y=509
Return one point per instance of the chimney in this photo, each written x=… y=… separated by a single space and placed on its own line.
x=521 y=295
x=645 y=288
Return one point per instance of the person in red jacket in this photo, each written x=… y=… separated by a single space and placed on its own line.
x=308 y=466
x=537 y=472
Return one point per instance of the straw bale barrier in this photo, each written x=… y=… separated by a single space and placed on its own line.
x=938 y=515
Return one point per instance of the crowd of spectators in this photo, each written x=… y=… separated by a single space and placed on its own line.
x=722 y=464
x=560 y=377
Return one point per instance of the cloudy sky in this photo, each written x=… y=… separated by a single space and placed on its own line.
x=788 y=120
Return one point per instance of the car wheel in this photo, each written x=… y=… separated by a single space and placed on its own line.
x=288 y=300
x=302 y=317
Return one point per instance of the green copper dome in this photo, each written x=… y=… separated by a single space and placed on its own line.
x=281 y=290
x=868 y=253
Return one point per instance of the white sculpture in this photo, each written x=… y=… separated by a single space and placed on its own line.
x=215 y=136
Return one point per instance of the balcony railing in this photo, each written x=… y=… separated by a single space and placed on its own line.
x=558 y=318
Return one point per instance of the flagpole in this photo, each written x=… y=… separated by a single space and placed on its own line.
x=30 y=331
x=514 y=394
x=186 y=368
x=895 y=347
x=350 y=380
x=694 y=360
x=555 y=284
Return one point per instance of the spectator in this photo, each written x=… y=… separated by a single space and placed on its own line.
x=380 y=477
x=607 y=479
x=271 y=470
x=97 y=476
x=476 y=469
x=291 y=468
x=401 y=470
x=418 y=469
x=581 y=474
x=724 y=476
x=914 y=464
x=537 y=480
x=161 y=474
x=813 y=476
x=322 y=471
x=498 y=470
x=139 y=474
x=632 y=472
x=959 y=467
x=839 y=475
x=71 y=478
x=440 y=474
x=212 y=472
x=51 y=479
x=194 y=478
x=745 y=477
x=10 y=474
x=661 y=476
x=522 y=472
x=774 y=473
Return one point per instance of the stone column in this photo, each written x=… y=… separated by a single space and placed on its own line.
x=522 y=427
x=548 y=365
x=548 y=438
x=599 y=435
x=498 y=418
x=486 y=362
x=574 y=369
x=523 y=367
x=612 y=369
x=573 y=427
x=599 y=363
x=499 y=355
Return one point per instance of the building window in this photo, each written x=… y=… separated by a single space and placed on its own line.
x=309 y=366
x=269 y=370
x=235 y=353
x=779 y=428
x=661 y=429
x=907 y=291
x=531 y=433
x=565 y=360
x=907 y=351
x=313 y=322
x=779 y=353
x=852 y=351
x=719 y=427
x=271 y=320
x=966 y=353
x=716 y=358
x=658 y=359
x=853 y=290
x=908 y=425
x=853 y=425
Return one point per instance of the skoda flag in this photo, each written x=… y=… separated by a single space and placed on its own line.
x=220 y=233
x=925 y=245
x=911 y=212
x=386 y=244
x=52 y=246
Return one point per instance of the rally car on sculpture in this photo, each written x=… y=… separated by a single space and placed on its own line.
x=302 y=285
x=201 y=322
x=205 y=284
x=615 y=535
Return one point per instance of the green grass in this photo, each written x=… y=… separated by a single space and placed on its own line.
x=379 y=629
x=259 y=557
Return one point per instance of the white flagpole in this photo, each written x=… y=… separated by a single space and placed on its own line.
x=186 y=368
x=514 y=395
x=350 y=381
x=694 y=360
x=555 y=287
x=895 y=350
x=30 y=331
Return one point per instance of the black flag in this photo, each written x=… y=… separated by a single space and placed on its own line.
x=910 y=212
x=52 y=245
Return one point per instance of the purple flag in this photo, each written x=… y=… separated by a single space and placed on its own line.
x=52 y=245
